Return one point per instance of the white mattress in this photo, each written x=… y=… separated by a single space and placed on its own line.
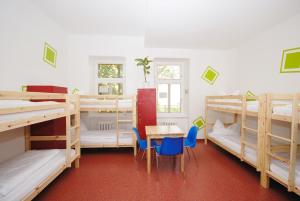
x=284 y=110
x=29 y=170
x=281 y=168
x=25 y=115
x=106 y=104
x=252 y=106
x=92 y=137
x=233 y=142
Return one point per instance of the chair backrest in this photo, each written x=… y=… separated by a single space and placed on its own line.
x=137 y=134
x=171 y=146
x=192 y=136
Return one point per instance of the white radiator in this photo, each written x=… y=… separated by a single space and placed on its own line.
x=105 y=126
x=167 y=123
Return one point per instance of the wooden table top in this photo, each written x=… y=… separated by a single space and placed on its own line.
x=164 y=131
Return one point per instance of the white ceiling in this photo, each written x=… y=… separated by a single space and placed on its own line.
x=172 y=23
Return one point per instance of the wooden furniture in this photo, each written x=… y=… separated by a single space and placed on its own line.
x=239 y=106
x=52 y=127
x=146 y=109
x=17 y=110
x=159 y=132
x=281 y=150
x=111 y=104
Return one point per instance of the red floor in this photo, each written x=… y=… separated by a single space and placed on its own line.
x=114 y=174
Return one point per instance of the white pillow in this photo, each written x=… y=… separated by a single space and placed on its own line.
x=233 y=129
x=218 y=125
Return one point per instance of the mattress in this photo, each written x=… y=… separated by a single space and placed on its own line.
x=281 y=169
x=232 y=142
x=5 y=104
x=92 y=137
x=286 y=110
x=29 y=170
x=252 y=106
x=105 y=104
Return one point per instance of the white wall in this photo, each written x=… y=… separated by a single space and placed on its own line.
x=23 y=31
x=83 y=47
x=259 y=60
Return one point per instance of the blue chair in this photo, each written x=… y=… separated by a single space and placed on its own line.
x=169 y=147
x=191 y=140
x=143 y=143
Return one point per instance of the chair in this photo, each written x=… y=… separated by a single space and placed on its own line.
x=143 y=143
x=191 y=140
x=169 y=147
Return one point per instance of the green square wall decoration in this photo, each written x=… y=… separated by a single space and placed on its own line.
x=210 y=75
x=199 y=122
x=290 y=62
x=50 y=55
x=249 y=93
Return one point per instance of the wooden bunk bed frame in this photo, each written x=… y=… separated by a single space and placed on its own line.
x=290 y=144
x=117 y=110
x=9 y=125
x=212 y=105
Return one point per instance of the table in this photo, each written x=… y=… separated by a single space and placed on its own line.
x=159 y=132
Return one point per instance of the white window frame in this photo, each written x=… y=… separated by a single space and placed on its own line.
x=183 y=87
x=109 y=80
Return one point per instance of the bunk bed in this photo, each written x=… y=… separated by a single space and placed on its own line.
x=245 y=143
x=115 y=136
x=23 y=177
x=282 y=155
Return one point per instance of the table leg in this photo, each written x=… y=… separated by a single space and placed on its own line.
x=148 y=155
x=182 y=162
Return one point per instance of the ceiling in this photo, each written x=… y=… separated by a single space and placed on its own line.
x=172 y=23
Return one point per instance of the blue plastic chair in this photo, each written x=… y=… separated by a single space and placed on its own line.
x=191 y=140
x=169 y=147
x=143 y=143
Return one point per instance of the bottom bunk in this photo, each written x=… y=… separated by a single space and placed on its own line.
x=108 y=138
x=233 y=142
x=279 y=170
x=230 y=139
x=24 y=176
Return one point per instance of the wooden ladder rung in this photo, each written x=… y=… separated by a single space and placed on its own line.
x=124 y=120
x=249 y=144
x=279 y=158
x=75 y=142
x=250 y=129
x=278 y=137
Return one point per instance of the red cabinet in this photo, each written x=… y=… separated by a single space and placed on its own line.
x=146 y=109
x=52 y=127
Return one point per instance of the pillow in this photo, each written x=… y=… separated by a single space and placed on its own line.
x=233 y=129
x=218 y=125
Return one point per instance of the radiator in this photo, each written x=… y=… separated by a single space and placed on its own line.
x=105 y=126
x=167 y=123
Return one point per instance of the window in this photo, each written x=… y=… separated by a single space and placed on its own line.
x=110 y=79
x=170 y=88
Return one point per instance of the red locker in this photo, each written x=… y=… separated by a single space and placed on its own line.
x=52 y=127
x=146 y=109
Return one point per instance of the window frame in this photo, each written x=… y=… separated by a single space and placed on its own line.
x=109 y=80
x=183 y=87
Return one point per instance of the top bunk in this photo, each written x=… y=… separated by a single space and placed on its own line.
x=284 y=107
x=107 y=103
x=235 y=104
x=19 y=109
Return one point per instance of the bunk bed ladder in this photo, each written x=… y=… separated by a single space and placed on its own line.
x=243 y=127
x=294 y=141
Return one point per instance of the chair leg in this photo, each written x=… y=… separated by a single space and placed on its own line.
x=157 y=161
x=143 y=154
x=174 y=162
x=187 y=150
x=194 y=156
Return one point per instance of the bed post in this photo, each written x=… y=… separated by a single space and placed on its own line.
x=77 y=130
x=294 y=141
x=27 y=138
x=206 y=121
x=243 y=125
x=261 y=139
x=68 y=136
x=264 y=178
